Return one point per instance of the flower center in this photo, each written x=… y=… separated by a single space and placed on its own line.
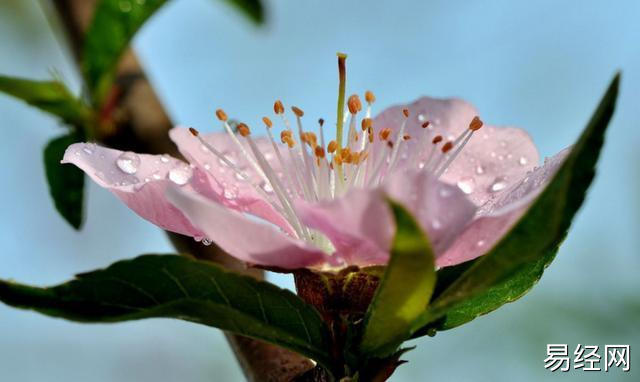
x=313 y=170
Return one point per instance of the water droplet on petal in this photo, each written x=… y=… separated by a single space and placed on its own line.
x=87 y=150
x=421 y=165
x=466 y=185
x=128 y=162
x=207 y=166
x=523 y=161
x=498 y=184
x=206 y=241
x=480 y=243
x=180 y=175
x=229 y=194
x=156 y=175
x=164 y=159
x=479 y=170
x=266 y=186
x=435 y=223
x=421 y=117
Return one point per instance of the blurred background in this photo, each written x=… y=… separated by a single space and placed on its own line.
x=540 y=65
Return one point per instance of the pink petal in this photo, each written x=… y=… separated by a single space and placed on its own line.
x=224 y=185
x=361 y=227
x=246 y=239
x=494 y=159
x=499 y=214
x=142 y=191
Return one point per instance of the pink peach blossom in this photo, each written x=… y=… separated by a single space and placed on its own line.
x=300 y=201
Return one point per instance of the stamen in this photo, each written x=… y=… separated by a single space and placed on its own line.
x=310 y=179
x=474 y=126
x=426 y=124
x=447 y=146
x=276 y=149
x=367 y=123
x=354 y=104
x=223 y=117
x=297 y=111
x=275 y=182
x=278 y=107
x=396 y=149
x=321 y=123
x=369 y=97
x=384 y=133
x=332 y=147
x=243 y=129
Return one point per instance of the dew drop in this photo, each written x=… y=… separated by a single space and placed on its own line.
x=498 y=184
x=228 y=194
x=266 y=186
x=421 y=117
x=493 y=154
x=128 y=162
x=466 y=185
x=500 y=157
x=206 y=241
x=479 y=170
x=156 y=175
x=421 y=165
x=87 y=150
x=480 y=243
x=180 y=175
x=207 y=166
x=523 y=161
x=164 y=159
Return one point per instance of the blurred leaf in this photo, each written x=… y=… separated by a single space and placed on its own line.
x=177 y=287
x=114 y=24
x=52 y=97
x=515 y=264
x=66 y=183
x=253 y=9
x=404 y=290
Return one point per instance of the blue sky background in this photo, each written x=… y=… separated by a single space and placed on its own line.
x=540 y=65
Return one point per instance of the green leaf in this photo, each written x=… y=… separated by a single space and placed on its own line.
x=177 y=287
x=404 y=291
x=516 y=263
x=114 y=25
x=52 y=97
x=253 y=9
x=66 y=183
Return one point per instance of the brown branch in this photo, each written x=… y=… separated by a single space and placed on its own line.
x=140 y=123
